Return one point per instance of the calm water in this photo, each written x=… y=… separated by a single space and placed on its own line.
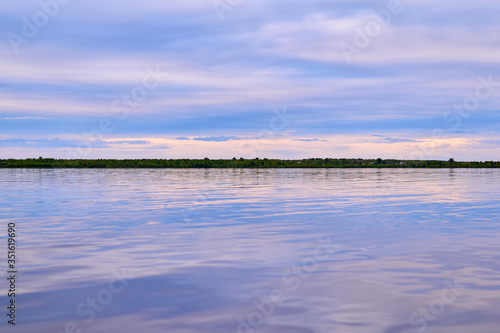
x=226 y=251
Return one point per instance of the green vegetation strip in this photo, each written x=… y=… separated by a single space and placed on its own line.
x=241 y=163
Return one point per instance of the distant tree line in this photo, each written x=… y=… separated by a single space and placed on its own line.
x=240 y=163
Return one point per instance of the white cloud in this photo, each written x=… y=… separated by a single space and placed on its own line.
x=26 y=118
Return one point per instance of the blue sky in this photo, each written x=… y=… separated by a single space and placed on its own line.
x=276 y=79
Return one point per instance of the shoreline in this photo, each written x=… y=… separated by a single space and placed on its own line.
x=257 y=163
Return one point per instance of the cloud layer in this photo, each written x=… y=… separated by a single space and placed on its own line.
x=413 y=73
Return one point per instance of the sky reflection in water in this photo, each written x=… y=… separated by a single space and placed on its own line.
x=200 y=247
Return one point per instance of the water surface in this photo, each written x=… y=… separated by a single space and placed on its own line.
x=269 y=250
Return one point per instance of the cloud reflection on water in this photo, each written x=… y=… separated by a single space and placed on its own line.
x=398 y=235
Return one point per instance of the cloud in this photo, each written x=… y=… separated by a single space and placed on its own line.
x=219 y=79
x=311 y=140
x=396 y=140
x=487 y=142
x=26 y=118
x=217 y=138
x=160 y=146
x=129 y=142
x=72 y=143
x=23 y=142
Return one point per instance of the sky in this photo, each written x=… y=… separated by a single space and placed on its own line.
x=238 y=78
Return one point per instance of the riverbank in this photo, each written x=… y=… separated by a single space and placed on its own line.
x=241 y=163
